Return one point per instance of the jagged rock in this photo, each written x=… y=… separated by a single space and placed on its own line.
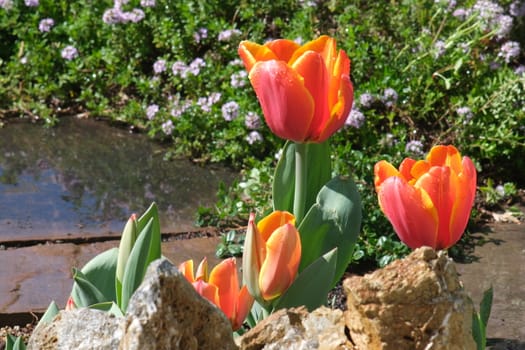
x=79 y=329
x=166 y=312
x=295 y=329
x=413 y=303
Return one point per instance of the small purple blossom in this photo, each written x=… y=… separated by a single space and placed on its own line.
x=236 y=62
x=500 y=190
x=31 y=3
x=238 y=79
x=520 y=70
x=147 y=3
x=252 y=121
x=355 y=118
x=415 y=147
x=151 y=111
x=439 y=48
x=135 y=16
x=195 y=66
x=228 y=34
x=230 y=110
x=167 y=127
x=366 y=100
x=504 y=25
x=116 y=15
x=465 y=113
x=46 y=24
x=254 y=137
x=179 y=68
x=460 y=13
x=69 y=52
x=200 y=34
x=6 y=4
x=113 y=16
x=517 y=8
x=159 y=66
x=205 y=103
x=509 y=51
x=390 y=97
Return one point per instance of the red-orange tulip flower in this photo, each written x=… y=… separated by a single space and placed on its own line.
x=221 y=287
x=304 y=91
x=272 y=252
x=428 y=201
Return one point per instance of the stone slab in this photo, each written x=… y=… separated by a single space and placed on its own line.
x=31 y=277
x=500 y=262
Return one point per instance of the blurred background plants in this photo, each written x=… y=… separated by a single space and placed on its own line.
x=425 y=72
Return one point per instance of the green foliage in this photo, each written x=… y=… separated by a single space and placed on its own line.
x=481 y=319
x=231 y=245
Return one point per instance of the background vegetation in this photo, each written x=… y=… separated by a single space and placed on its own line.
x=425 y=72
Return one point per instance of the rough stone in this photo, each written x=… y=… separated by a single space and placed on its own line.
x=79 y=329
x=166 y=312
x=295 y=328
x=413 y=303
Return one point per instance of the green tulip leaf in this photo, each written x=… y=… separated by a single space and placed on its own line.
x=51 y=312
x=312 y=285
x=284 y=179
x=138 y=261
x=109 y=307
x=152 y=213
x=100 y=272
x=334 y=221
x=14 y=343
x=87 y=293
x=129 y=236
x=319 y=170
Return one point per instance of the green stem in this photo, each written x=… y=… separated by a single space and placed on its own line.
x=300 y=181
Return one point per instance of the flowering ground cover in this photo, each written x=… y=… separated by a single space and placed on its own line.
x=424 y=73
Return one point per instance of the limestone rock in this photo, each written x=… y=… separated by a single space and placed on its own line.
x=166 y=312
x=413 y=303
x=295 y=329
x=79 y=329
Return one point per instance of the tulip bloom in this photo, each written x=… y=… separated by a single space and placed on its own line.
x=272 y=252
x=305 y=91
x=221 y=287
x=428 y=201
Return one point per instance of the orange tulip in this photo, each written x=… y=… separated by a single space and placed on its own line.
x=221 y=287
x=272 y=253
x=428 y=201
x=305 y=91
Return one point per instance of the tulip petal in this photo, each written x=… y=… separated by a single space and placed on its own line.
x=224 y=276
x=283 y=254
x=244 y=305
x=410 y=211
x=442 y=155
x=202 y=270
x=382 y=171
x=340 y=111
x=283 y=49
x=273 y=221
x=208 y=291
x=405 y=168
x=186 y=268
x=253 y=256
x=287 y=104
x=251 y=53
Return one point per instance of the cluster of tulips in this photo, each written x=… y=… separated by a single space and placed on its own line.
x=306 y=94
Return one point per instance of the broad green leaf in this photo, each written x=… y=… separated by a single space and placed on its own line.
x=14 y=343
x=284 y=179
x=319 y=173
x=86 y=292
x=485 y=306
x=129 y=236
x=478 y=331
x=51 y=312
x=152 y=213
x=334 y=221
x=109 y=307
x=312 y=285
x=100 y=272
x=138 y=262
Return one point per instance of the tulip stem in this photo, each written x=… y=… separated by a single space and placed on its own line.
x=300 y=181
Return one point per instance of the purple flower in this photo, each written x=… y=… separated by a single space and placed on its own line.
x=504 y=26
x=460 y=14
x=228 y=34
x=151 y=111
x=135 y=16
x=355 y=118
x=390 y=97
x=415 y=147
x=509 y=51
x=196 y=65
x=205 y=103
x=254 y=137
x=113 y=16
x=439 y=48
x=252 y=121
x=159 y=66
x=31 y=3
x=179 y=68
x=46 y=24
x=6 y=4
x=167 y=127
x=69 y=52
x=517 y=9
x=200 y=34
x=147 y=3
x=230 y=110
x=465 y=113
x=520 y=70
x=238 y=79
x=366 y=100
